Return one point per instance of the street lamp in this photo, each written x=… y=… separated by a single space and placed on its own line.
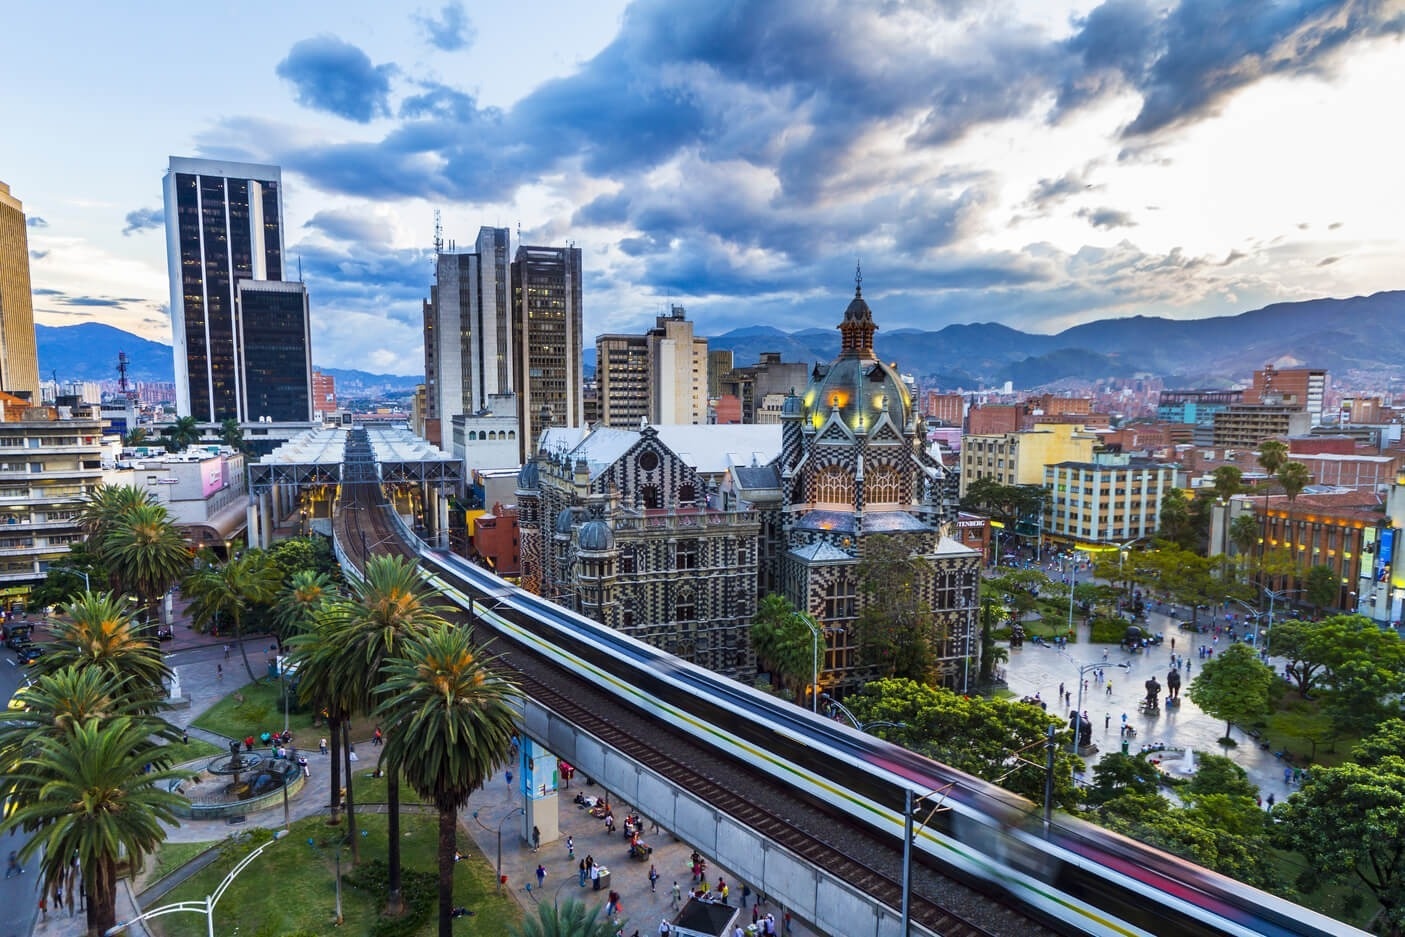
x=1078 y=713
x=1272 y=598
x=1122 y=549
x=909 y=806
x=206 y=905
x=512 y=813
x=814 y=661
x=833 y=706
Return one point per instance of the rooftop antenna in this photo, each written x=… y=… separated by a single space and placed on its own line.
x=438 y=233
x=123 y=385
x=299 y=268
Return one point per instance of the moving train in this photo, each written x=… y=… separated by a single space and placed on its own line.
x=1079 y=878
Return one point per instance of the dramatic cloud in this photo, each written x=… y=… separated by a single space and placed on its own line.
x=1107 y=218
x=102 y=301
x=34 y=221
x=143 y=219
x=451 y=31
x=359 y=226
x=335 y=76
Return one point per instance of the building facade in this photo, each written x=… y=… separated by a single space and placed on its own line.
x=1244 y=426
x=547 y=336
x=274 y=337
x=224 y=223
x=677 y=371
x=1019 y=458
x=19 y=357
x=1196 y=407
x=50 y=459
x=1112 y=498
x=324 y=394
x=622 y=380
x=1305 y=388
x=752 y=384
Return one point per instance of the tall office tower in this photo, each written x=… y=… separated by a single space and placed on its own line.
x=19 y=359
x=468 y=332
x=677 y=371
x=622 y=379
x=547 y=340
x=274 y=338
x=224 y=223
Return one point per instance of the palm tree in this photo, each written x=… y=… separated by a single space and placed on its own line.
x=99 y=634
x=1226 y=482
x=232 y=435
x=136 y=437
x=1244 y=534
x=390 y=605
x=784 y=642
x=180 y=434
x=1175 y=516
x=101 y=509
x=454 y=718
x=228 y=591
x=569 y=918
x=304 y=595
x=314 y=653
x=146 y=554
x=98 y=803
x=1294 y=477
x=1272 y=454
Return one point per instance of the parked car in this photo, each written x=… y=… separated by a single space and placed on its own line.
x=30 y=654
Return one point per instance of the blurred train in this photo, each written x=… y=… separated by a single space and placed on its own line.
x=1075 y=876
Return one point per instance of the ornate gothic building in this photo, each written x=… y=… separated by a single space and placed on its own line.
x=854 y=465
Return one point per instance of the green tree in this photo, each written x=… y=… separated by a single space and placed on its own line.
x=103 y=506
x=184 y=432
x=1008 y=504
x=1244 y=534
x=389 y=606
x=1294 y=477
x=146 y=554
x=232 y=435
x=1307 y=649
x=137 y=437
x=305 y=553
x=1174 y=519
x=569 y=918
x=1272 y=454
x=784 y=642
x=1117 y=775
x=1233 y=685
x=304 y=595
x=315 y=654
x=997 y=739
x=1386 y=739
x=895 y=620
x=98 y=805
x=1365 y=673
x=99 y=633
x=1348 y=823
x=1226 y=481
x=226 y=593
x=64 y=581
x=454 y=719
x=1321 y=587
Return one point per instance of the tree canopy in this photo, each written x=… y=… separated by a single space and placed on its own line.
x=895 y=619
x=783 y=642
x=1234 y=685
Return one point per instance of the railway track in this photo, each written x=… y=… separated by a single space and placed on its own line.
x=831 y=840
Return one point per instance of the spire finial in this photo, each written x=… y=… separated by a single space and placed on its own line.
x=858 y=278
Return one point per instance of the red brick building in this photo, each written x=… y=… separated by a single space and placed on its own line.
x=495 y=537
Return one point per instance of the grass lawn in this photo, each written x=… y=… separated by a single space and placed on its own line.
x=262 y=711
x=291 y=886
x=170 y=857
x=1327 y=899
x=369 y=790
x=195 y=748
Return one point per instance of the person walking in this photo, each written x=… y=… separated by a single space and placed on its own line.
x=582 y=873
x=536 y=839
x=219 y=672
x=677 y=895
x=13 y=867
x=653 y=878
x=226 y=652
x=541 y=875
x=570 y=847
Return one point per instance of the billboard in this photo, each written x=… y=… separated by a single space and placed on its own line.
x=212 y=477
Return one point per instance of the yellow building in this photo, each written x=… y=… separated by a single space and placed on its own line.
x=1110 y=498
x=19 y=358
x=1020 y=458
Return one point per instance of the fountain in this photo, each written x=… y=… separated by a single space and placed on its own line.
x=1187 y=765
x=239 y=782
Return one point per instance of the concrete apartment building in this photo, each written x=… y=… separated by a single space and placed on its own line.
x=1305 y=388
x=1244 y=426
x=1019 y=458
x=19 y=361
x=660 y=376
x=1195 y=406
x=50 y=459
x=1112 y=498
x=752 y=384
x=949 y=409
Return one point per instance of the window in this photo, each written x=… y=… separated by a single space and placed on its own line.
x=834 y=485
x=687 y=555
x=648 y=460
x=883 y=486
x=650 y=495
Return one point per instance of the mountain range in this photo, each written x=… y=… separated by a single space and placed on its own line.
x=1364 y=335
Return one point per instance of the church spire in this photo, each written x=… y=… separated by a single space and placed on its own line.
x=857 y=328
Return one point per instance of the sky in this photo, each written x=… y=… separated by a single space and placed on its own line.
x=1037 y=164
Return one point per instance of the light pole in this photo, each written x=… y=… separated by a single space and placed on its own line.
x=511 y=813
x=1122 y=549
x=1078 y=712
x=814 y=661
x=833 y=706
x=340 y=844
x=206 y=905
x=910 y=805
x=1272 y=598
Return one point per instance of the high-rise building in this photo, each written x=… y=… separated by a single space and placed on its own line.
x=547 y=339
x=324 y=393
x=659 y=376
x=224 y=223
x=1305 y=388
x=274 y=338
x=468 y=332
x=19 y=359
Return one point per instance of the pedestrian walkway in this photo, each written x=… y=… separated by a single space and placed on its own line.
x=1039 y=669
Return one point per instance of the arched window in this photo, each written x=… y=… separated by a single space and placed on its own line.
x=512 y=434
x=472 y=435
x=687 y=494
x=834 y=485
x=651 y=496
x=493 y=435
x=883 y=485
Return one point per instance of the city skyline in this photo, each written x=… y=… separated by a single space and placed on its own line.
x=1018 y=163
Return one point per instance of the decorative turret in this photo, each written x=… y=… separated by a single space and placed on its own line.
x=857 y=328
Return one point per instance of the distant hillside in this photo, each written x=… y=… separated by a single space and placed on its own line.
x=1363 y=333
x=88 y=352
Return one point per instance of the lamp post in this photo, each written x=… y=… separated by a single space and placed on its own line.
x=814 y=661
x=909 y=806
x=1122 y=549
x=1272 y=598
x=833 y=706
x=511 y=813
x=1078 y=712
x=206 y=905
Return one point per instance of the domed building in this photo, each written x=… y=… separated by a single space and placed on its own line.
x=854 y=466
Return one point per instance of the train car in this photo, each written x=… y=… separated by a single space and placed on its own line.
x=1079 y=878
